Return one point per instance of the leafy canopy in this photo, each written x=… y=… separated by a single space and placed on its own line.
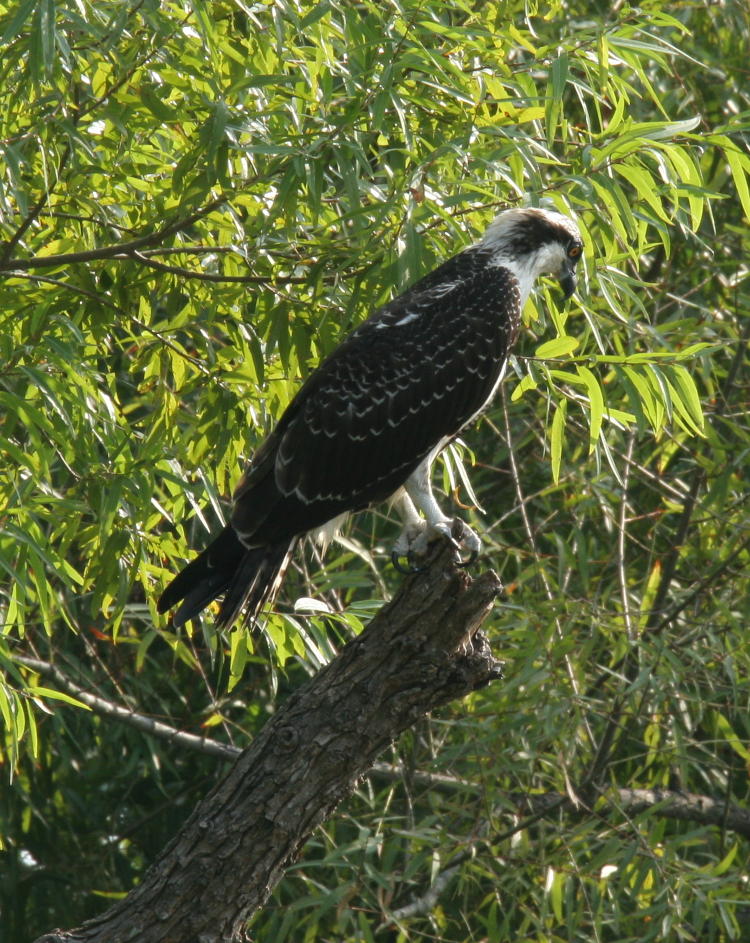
x=197 y=201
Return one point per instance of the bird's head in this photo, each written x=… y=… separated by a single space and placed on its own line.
x=532 y=242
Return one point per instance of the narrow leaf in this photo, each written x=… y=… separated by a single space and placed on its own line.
x=739 y=165
x=58 y=696
x=558 y=347
x=596 y=402
x=556 y=439
x=527 y=383
x=685 y=397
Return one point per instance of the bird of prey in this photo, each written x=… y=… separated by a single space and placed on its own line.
x=369 y=421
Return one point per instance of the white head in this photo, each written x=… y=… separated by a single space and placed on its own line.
x=533 y=241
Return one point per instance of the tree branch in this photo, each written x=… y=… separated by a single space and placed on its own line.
x=420 y=651
x=667 y=803
x=142 y=722
x=119 y=249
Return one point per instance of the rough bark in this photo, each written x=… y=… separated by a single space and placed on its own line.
x=422 y=650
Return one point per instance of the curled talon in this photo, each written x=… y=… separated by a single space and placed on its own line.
x=470 y=560
x=408 y=570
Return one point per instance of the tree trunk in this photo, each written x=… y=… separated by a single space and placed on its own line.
x=420 y=651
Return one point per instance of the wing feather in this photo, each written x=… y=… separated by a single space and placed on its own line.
x=409 y=377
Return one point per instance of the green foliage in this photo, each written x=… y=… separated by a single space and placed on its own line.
x=197 y=201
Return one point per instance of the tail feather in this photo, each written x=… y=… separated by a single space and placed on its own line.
x=255 y=582
x=249 y=578
x=204 y=578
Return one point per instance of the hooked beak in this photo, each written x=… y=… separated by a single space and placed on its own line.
x=567 y=278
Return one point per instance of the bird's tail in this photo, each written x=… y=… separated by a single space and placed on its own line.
x=256 y=582
x=249 y=578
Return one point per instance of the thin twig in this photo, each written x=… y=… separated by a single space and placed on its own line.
x=621 y=568
x=214 y=277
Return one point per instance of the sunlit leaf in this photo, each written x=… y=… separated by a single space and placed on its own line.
x=39 y=691
x=596 y=404
x=559 y=347
x=556 y=438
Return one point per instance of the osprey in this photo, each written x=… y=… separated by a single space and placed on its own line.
x=369 y=421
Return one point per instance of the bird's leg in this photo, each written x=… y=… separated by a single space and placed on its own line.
x=419 y=531
x=411 y=534
x=419 y=489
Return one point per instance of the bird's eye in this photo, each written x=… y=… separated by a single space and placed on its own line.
x=574 y=252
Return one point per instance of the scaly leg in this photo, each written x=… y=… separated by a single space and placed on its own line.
x=418 y=532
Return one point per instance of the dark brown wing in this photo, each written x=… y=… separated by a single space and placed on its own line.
x=407 y=379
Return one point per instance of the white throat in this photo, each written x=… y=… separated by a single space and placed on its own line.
x=528 y=268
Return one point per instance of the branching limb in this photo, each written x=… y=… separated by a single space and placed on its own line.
x=421 y=651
